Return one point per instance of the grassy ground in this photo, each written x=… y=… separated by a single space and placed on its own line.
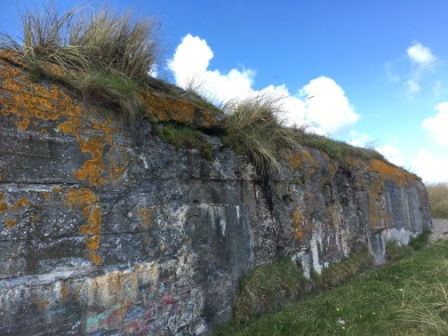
x=438 y=199
x=405 y=297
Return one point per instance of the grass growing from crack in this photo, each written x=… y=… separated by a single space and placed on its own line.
x=406 y=297
x=184 y=136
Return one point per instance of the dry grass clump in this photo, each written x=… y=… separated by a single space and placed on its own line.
x=104 y=54
x=256 y=129
x=438 y=199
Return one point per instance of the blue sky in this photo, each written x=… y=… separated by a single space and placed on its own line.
x=377 y=70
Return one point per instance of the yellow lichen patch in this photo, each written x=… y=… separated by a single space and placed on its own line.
x=34 y=218
x=3 y=207
x=20 y=204
x=396 y=174
x=47 y=195
x=91 y=210
x=57 y=189
x=43 y=131
x=10 y=223
x=297 y=218
x=2 y=196
x=145 y=214
x=23 y=125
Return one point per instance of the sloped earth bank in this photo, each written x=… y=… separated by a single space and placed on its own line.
x=439 y=229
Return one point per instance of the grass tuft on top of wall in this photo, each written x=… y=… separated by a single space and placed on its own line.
x=105 y=54
x=438 y=199
x=255 y=128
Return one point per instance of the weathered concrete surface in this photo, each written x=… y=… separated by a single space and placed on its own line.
x=106 y=231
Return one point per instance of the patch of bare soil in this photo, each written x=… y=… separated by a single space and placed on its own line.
x=439 y=229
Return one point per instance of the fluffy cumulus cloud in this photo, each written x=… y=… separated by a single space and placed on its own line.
x=437 y=125
x=431 y=168
x=190 y=67
x=327 y=106
x=321 y=103
x=420 y=55
x=391 y=153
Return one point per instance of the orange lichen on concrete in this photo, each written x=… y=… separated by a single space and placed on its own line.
x=145 y=215
x=12 y=55
x=2 y=196
x=294 y=160
x=20 y=204
x=91 y=210
x=57 y=189
x=23 y=125
x=3 y=207
x=396 y=174
x=95 y=166
x=30 y=101
x=10 y=223
x=166 y=107
x=43 y=131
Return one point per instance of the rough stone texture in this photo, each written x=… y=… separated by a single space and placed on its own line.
x=107 y=231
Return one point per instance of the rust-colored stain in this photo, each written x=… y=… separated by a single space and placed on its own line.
x=91 y=210
x=10 y=223
x=145 y=214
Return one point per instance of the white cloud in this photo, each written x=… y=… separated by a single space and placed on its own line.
x=431 y=168
x=358 y=140
x=422 y=60
x=420 y=55
x=327 y=106
x=391 y=153
x=437 y=125
x=190 y=67
x=412 y=85
x=329 y=111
